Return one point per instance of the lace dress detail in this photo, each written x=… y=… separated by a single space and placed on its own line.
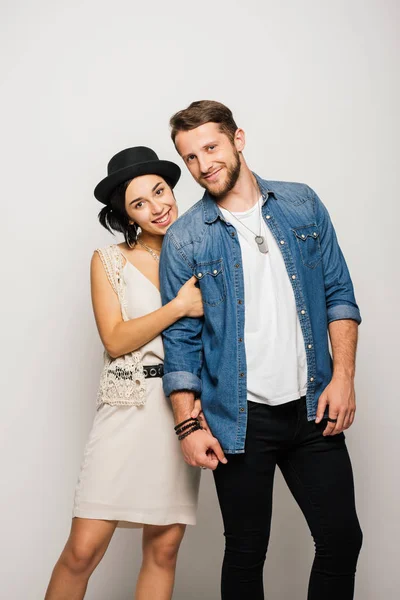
x=122 y=381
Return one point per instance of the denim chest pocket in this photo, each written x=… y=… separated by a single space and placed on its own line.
x=307 y=237
x=211 y=278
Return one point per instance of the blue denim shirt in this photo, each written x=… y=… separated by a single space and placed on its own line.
x=208 y=355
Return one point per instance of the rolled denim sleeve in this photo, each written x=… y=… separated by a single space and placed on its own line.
x=182 y=340
x=339 y=291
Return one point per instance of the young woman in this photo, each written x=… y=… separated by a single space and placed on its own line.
x=133 y=473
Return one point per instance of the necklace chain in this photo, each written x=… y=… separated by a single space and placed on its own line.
x=149 y=250
x=244 y=225
x=259 y=239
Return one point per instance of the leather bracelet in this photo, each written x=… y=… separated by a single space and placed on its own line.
x=184 y=423
x=194 y=428
x=187 y=426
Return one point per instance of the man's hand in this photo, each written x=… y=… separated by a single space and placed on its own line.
x=201 y=449
x=197 y=413
x=340 y=396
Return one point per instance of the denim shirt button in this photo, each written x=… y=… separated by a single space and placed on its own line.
x=240 y=339
x=233 y=234
x=309 y=346
x=241 y=409
x=282 y=242
x=311 y=378
x=268 y=216
x=293 y=276
x=240 y=302
x=237 y=265
x=303 y=312
x=241 y=374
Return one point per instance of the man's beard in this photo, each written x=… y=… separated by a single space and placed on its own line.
x=233 y=173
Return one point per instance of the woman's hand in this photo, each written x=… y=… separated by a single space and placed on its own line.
x=189 y=297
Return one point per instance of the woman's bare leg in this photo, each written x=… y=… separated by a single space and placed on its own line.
x=160 y=551
x=86 y=545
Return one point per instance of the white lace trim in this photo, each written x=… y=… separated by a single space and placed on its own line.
x=113 y=262
x=122 y=381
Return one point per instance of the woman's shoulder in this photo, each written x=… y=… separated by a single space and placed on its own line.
x=110 y=257
x=110 y=254
x=110 y=260
x=110 y=249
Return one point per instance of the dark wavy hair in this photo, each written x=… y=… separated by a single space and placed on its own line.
x=115 y=218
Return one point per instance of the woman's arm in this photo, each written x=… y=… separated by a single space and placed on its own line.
x=120 y=337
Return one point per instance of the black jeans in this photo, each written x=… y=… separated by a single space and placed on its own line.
x=318 y=472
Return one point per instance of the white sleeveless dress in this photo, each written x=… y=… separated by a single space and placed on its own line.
x=133 y=470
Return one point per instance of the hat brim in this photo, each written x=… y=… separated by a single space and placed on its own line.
x=166 y=169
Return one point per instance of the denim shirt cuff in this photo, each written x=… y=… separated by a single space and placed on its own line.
x=343 y=311
x=181 y=380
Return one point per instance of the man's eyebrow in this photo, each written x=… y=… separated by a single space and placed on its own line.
x=210 y=144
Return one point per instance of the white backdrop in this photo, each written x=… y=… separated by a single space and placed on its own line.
x=315 y=85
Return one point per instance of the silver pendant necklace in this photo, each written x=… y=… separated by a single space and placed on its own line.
x=149 y=250
x=259 y=239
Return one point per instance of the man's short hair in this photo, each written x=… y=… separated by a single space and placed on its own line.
x=201 y=112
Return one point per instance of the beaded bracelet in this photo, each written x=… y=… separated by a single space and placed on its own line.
x=187 y=433
x=183 y=423
x=194 y=428
x=187 y=426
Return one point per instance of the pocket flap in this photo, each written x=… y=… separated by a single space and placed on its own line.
x=211 y=279
x=307 y=231
x=202 y=270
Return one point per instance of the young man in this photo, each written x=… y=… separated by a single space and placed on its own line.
x=274 y=283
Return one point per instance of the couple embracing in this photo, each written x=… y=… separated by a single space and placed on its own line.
x=216 y=329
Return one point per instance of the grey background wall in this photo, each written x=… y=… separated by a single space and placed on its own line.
x=315 y=86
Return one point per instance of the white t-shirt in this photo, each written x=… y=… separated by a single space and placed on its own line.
x=275 y=352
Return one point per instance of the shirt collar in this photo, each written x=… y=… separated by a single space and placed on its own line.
x=210 y=207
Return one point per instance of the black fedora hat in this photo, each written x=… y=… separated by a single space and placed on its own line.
x=131 y=163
